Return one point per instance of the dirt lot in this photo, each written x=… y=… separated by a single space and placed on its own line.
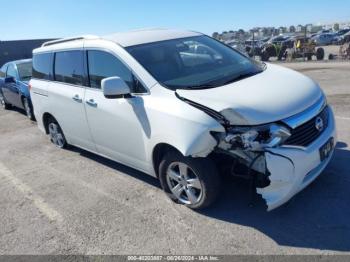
x=69 y=201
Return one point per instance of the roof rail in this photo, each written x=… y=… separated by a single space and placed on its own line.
x=68 y=39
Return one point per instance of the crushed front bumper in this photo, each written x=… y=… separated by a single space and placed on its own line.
x=292 y=169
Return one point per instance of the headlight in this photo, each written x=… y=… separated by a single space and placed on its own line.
x=259 y=137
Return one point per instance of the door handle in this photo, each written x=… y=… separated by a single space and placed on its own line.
x=76 y=98
x=91 y=102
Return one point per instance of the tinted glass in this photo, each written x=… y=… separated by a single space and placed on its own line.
x=103 y=65
x=194 y=62
x=24 y=71
x=42 y=66
x=69 y=67
x=11 y=71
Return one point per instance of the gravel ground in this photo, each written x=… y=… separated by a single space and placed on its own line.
x=72 y=202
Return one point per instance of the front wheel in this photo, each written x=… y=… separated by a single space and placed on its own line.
x=28 y=108
x=193 y=182
x=56 y=134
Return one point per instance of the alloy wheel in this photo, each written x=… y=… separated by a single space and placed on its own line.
x=56 y=135
x=27 y=108
x=184 y=183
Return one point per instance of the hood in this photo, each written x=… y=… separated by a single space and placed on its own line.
x=275 y=94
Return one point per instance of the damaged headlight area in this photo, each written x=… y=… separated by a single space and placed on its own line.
x=242 y=150
x=256 y=138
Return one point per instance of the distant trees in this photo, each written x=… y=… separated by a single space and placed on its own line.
x=292 y=29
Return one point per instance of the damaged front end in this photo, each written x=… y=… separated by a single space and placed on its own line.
x=275 y=157
x=249 y=148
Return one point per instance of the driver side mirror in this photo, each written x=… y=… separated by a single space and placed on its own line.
x=114 y=87
x=10 y=79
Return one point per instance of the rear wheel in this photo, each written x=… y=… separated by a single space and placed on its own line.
x=193 y=182
x=28 y=108
x=320 y=53
x=3 y=103
x=56 y=134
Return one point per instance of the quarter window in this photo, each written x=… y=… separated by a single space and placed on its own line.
x=42 y=66
x=103 y=65
x=69 y=67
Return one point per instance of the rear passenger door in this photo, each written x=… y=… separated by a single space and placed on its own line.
x=66 y=96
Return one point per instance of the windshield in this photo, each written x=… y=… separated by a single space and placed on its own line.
x=25 y=71
x=194 y=62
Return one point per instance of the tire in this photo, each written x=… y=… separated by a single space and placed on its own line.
x=265 y=56
x=28 y=109
x=309 y=56
x=320 y=53
x=56 y=134
x=197 y=187
x=3 y=103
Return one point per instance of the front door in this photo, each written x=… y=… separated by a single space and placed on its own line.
x=118 y=126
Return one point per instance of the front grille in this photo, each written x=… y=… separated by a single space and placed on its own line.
x=306 y=133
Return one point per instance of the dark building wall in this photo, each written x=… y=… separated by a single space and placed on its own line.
x=20 y=49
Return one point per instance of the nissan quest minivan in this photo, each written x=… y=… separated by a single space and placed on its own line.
x=184 y=108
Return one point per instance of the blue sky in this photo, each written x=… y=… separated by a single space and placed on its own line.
x=22 y=19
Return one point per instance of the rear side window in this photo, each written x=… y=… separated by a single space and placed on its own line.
x=11 y=71
x=24 y=71
x=69 y=67
x=42 y=66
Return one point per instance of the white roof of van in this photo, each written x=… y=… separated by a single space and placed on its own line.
x=144 y=36
x=125 y=39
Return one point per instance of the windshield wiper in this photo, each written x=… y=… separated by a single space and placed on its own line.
x=240 y=77
x=204 y=86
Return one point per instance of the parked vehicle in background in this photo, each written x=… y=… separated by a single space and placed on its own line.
x=344 y=51
x=342 y=32
x=324 y=31
x=278 y=39
x=253 y=47
x=305 y=47
x=150 y=100
x=237 y=45
x=14 y=90
x=345 y=38
x=324 y=39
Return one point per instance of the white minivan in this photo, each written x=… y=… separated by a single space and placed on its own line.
x=185 y=108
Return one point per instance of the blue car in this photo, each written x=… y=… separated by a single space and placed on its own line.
x=14 y=90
